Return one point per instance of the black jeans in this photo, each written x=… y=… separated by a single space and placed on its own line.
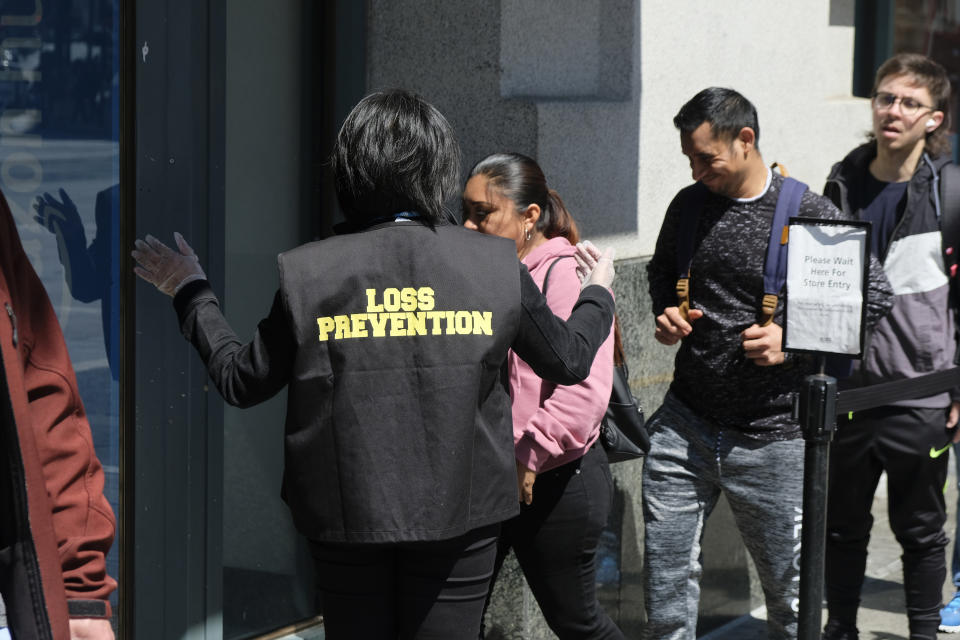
x=897 y=440
x=424 y=590
x=555 y=540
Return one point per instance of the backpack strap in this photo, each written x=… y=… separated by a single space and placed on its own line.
x=691 y=203
x=775 y=266
x=950 y=222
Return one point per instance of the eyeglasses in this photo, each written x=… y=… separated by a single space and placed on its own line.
x=883 y=101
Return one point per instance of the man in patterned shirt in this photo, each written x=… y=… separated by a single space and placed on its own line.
x=726 y=423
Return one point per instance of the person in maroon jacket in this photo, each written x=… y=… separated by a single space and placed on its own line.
x=56 y=526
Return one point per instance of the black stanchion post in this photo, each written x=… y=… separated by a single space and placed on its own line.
x=818 y=418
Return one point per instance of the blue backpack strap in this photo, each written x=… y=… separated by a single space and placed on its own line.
x=775 y=267
x=691 y=202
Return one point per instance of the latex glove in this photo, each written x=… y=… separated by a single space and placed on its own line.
x=90 y=629
x=165 y=268
x=525 y=479
x=594 y=267
x=671 y=326
x=763 y=345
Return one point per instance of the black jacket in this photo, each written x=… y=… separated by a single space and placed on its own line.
x=919 y=335
x=391 y=342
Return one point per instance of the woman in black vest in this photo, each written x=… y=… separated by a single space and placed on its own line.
x=562 y=470
x=398 y=448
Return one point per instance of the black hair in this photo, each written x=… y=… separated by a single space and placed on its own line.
x=933 y=77
x=726 y=110
x=394 y=153
x=520 y=179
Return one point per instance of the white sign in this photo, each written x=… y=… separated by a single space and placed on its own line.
x=825 y=287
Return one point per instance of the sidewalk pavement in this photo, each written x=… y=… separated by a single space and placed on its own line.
x=882 y=611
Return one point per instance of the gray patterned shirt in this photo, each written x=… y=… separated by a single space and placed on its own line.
x=712 y=375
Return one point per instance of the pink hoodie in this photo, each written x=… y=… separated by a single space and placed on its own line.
x=552 y=424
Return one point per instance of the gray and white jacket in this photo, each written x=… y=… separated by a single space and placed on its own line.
x=919 y=334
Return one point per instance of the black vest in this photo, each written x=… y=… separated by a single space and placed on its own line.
x=398 y=426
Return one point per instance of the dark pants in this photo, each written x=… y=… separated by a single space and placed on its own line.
x=897 y=440
x=555 y=540
x=424 y=590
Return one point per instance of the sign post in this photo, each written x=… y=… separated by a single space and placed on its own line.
x=824 y=315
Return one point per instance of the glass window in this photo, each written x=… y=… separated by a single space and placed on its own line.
x=59 y=169
x=267 y=570
x=930 y=27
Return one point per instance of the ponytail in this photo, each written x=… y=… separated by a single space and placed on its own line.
x=555 y=221
x=520 y=178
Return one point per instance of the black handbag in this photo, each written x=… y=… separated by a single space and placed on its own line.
x=623 y=434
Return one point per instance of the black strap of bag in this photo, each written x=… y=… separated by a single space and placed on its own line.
x=623 y=433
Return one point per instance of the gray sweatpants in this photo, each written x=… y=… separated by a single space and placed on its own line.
x=690 y=462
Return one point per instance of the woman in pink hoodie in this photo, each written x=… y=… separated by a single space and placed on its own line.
x=562 y=474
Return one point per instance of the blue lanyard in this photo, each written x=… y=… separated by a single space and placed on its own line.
x=405 y=215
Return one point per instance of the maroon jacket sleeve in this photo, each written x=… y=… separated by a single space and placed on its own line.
x=83 y=521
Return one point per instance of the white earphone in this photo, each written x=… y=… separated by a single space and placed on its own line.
x=931 y=122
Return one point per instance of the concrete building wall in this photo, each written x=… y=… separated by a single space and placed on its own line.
x=787 y=58
x=590 y=88
x=449 y=53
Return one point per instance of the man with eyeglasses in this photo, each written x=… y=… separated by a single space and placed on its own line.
x=892 y=181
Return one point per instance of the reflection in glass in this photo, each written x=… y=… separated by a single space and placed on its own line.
x=59 y=123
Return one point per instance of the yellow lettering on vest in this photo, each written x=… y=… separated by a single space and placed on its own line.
x=464 y=323
x=408 y=299
x=343 y=327
x=434 y=317
x=425 y=298
x=416 y=324
x=391 y=299
x=372 y=305
x=325 y=325
x=483 y=323
x=451 y=328
x=357 y=325
x=379 y=323
x=396 y=324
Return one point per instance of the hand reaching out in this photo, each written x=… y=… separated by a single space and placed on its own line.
x=165 y=268
x=58 y=217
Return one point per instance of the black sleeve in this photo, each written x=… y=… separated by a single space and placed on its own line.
x=245 y=374
x=662 y=268
x=559 y=351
